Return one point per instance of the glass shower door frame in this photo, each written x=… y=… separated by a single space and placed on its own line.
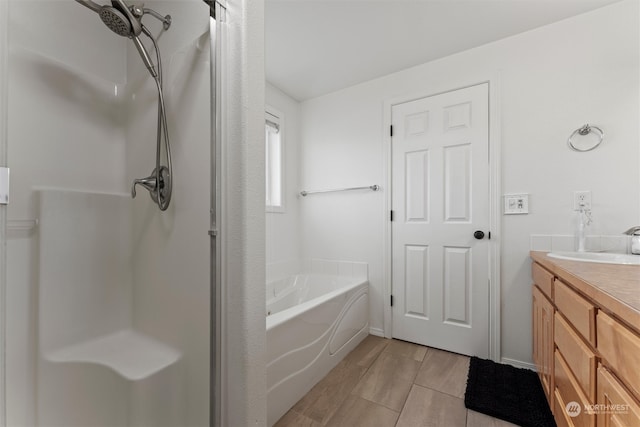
x=4 y=54
x=216 y=138
x=216 y=38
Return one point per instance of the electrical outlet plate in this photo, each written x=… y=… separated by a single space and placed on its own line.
x=581 y=199
x=516 y=204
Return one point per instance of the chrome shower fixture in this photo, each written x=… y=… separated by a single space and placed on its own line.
x=126 y=21
x=140 y=11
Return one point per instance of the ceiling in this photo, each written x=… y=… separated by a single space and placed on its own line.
x=317 y=47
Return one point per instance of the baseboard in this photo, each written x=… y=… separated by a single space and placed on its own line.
x=518 y=363
x=376 y=331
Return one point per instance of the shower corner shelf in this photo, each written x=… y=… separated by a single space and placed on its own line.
x=132 y=355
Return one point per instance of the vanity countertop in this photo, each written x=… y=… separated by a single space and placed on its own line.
x=616 y=288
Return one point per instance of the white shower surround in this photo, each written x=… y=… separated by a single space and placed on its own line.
x=71 y=106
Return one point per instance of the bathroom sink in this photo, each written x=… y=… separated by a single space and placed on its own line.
x=602 y=257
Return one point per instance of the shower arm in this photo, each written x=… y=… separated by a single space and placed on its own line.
x=139 y=12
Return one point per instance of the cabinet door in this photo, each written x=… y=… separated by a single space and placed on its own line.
x=543 y=341
x=616 y=407
x=620 y=347
x=535 y=322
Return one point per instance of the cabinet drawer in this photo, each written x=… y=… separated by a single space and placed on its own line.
x=570 y=393
x=542 y=278
x=620 y=347
x=560 y=413
x=578 y=356
x=577 y=310
x=620 y=409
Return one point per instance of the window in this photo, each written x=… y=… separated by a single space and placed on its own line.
x=273 y=162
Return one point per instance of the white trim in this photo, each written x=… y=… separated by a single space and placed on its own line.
x=376 y=331
x=386 y=234
x=494 y=202
x=279 y=118
x=495 y=217
x=4 y=111
x=518 y=363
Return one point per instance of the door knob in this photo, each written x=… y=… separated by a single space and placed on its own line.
x=478 y=234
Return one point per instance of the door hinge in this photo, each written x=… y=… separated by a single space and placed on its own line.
x=391 y=130
x=391 y=300
x=390 y=215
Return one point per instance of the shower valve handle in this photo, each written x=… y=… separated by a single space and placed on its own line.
x=159 y=186
x=149 y=183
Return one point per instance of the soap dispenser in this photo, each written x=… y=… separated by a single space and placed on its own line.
x=634 y=232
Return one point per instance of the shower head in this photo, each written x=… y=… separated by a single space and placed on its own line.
x=116 y=21
x=119 y=19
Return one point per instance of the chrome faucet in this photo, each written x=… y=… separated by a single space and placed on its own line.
x=159 y=186
x=149 y=183
x=634 y=232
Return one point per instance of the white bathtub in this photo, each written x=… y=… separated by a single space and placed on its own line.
x=313 y=321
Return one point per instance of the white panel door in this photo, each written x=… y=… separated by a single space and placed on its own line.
x=440 y=197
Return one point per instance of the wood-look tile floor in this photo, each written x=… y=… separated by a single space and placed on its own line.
x=387 y=383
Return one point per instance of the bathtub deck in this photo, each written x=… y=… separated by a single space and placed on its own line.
x=390 y=383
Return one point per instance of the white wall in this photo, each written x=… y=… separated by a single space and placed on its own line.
x=552 y=81
x=282 y=228
x=243 y=276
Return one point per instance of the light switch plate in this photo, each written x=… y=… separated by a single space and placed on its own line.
x=4 y=186
x=516 y=204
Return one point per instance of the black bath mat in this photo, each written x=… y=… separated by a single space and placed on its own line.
x=508 y=393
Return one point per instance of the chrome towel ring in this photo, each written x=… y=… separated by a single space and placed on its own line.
x=583 y=131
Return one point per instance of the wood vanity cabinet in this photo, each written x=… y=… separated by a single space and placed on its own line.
x=584 y=353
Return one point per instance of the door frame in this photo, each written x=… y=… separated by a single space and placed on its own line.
x=495 y=218
x=4 y=113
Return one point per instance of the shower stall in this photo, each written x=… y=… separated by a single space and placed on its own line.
x=110 y=302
